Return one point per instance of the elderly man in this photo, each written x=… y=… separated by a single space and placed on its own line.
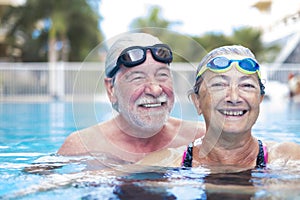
x=140 y=88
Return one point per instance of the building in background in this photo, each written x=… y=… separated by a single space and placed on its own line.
x=281 y=25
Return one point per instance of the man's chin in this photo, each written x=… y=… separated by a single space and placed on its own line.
x=151 y=125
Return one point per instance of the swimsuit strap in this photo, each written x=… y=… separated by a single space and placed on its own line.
x=261 y=160
x=262 y=157
x=187 y=158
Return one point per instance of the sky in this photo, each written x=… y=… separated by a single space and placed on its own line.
x=196 y=16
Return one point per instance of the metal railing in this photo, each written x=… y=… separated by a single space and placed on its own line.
x=46 y=81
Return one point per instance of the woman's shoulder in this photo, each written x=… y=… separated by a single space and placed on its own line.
x=283 y=151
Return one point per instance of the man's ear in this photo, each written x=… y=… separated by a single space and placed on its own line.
x=196 y=102
x=110 y=89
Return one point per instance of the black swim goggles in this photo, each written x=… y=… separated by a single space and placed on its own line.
x=136 y=55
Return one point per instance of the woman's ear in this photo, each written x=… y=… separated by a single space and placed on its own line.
x=109 y=85
x=196 y=102
x=262 y=98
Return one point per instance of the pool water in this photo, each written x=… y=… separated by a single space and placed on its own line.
x=32 y=133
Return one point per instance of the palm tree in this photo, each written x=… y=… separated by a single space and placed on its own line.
x=184 y=48
x=246 y=36
x=153 y=19
x=58 y=30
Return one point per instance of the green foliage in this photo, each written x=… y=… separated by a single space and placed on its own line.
x=153 y=19
x=73 y=23
x=246 y=36
x=213 y=40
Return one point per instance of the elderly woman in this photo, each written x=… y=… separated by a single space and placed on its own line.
x=228 y=92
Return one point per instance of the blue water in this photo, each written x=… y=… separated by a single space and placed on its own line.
x=31 y=131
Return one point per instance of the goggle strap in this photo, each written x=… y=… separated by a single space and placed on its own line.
x=153 y=49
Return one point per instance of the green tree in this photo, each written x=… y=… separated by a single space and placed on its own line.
x=54 y=30
x=153 y=23
x=252 y=38
x=185 y=48
x=246 y=36
x=153 y=19
x=210 y=41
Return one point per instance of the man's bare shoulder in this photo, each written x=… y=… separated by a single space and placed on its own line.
x=76 y=143
x=195 y=127
x=72 y=146
x=187 y=123
x=184 y=131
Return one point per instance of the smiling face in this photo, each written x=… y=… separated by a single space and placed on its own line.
x=229 y=101
x=144 y=94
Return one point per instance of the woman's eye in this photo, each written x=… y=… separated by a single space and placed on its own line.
x=218 y=85
x=248 y=85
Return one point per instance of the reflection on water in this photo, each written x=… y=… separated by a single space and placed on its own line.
x=31 y=133
x=159 y=183
x=278 y=121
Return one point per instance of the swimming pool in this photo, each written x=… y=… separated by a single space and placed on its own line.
x=34 y=131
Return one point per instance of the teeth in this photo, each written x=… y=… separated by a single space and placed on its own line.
x=152 y=105
x=232 y=113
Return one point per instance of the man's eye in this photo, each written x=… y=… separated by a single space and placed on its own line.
x=163 y=75
x=135 y=78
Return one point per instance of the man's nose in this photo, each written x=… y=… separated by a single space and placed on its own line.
x=153 y=88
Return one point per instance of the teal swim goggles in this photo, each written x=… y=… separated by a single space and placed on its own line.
x=223 y=64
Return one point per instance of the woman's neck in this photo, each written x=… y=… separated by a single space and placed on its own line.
x=226 y=151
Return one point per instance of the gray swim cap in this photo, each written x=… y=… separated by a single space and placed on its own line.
x=125 y=41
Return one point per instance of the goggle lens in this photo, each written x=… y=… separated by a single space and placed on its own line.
x=163 y=53
x=249 y=65
x=132 y=55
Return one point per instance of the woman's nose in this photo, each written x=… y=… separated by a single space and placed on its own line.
x=233 y=95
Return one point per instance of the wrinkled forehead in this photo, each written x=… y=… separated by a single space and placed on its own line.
x=150 y=67
x=230 y=57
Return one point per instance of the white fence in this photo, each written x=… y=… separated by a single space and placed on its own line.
x=45 y=81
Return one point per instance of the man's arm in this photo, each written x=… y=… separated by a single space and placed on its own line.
x=171 y=157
